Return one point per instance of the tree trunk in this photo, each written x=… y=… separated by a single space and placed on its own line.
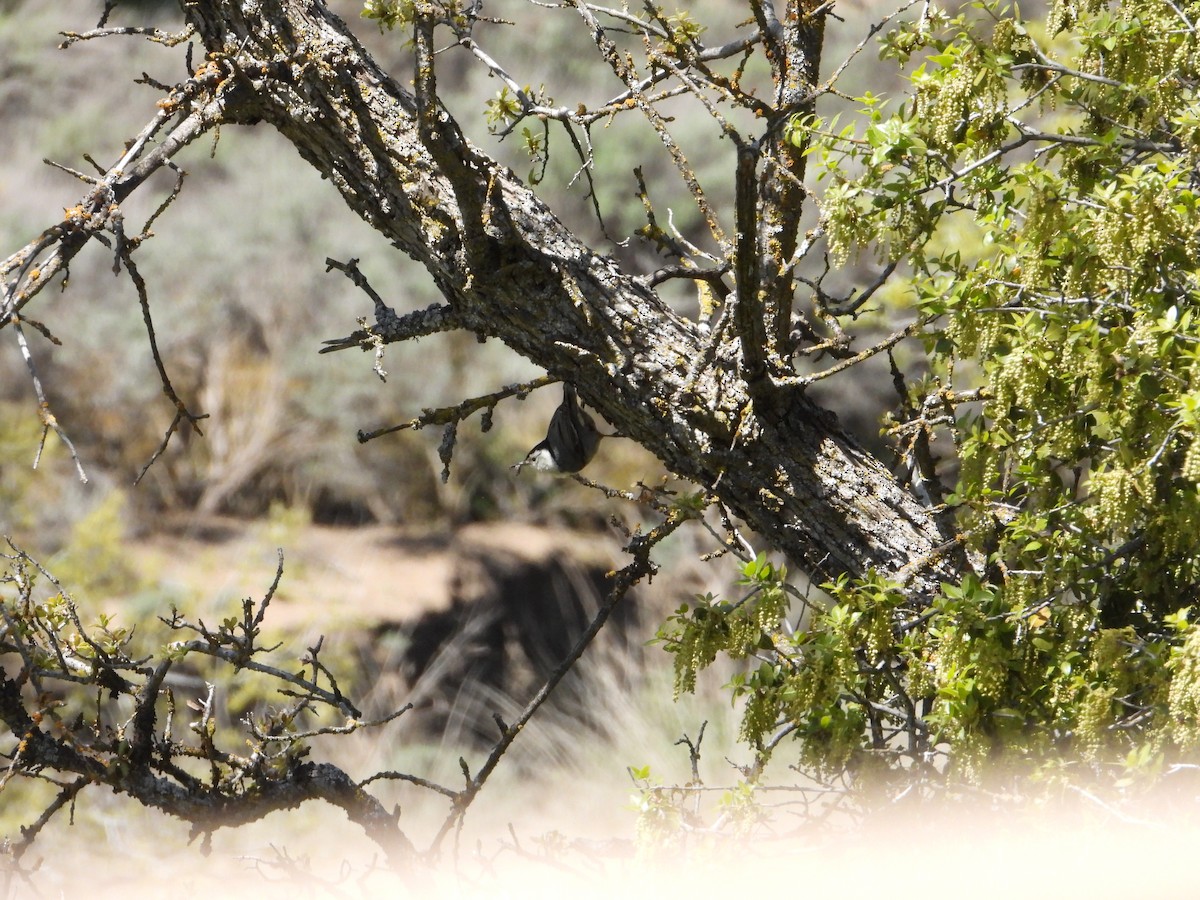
x=509 y=269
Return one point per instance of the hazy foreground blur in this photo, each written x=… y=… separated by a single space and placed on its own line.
x=1079 y=851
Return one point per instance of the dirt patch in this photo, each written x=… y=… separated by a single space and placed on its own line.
x=341 y=578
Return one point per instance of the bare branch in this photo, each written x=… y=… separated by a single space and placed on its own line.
x=182 y=413
x=94 y=213
x=452 y=415
x=641 y=567
x=612 y=56
x=132 y=760
x=827 y=86
x=389 y=327
x=435 y=318
x=166 y=38
x=887 y=343
x=411 y=779
x=30 y=832
x=49 y=420
x=349 y=728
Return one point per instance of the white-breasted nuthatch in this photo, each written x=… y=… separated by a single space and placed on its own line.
x=570 y=442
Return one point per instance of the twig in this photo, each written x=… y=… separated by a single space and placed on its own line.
x=48 y=419
x=349 y=728
x=29 y=832
x=641 y=566
x=203 y=646
x=93 y=214
x=616 y=60
x=412 y=779
x=389 y=327
x=124 y=253
x=828 y=84
x=166 y=38
x=451 y=415
x=886 y=344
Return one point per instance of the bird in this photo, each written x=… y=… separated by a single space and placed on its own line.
x=570 y=442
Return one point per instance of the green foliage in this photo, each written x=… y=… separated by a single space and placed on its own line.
x=659 y=809
x=866 y=682
x=502 y=109
x=19 y=434
x=505 y=110
x=682 y=31
x=670 y=815
x=695 y=633
x=95 y=559
x=389 y=13
x=1078 y=311
x=1038 y=186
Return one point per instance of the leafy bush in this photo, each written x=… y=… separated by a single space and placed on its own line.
x=1038 y=189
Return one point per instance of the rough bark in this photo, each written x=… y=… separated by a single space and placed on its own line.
x=510 y=269
x=206 y=807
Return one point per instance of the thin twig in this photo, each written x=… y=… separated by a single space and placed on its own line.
x=182 y=413
x=349 y=728
x=389 y=327
x=626 y=578
x=449 y=415
x=886 y=344
x=616 y=60
x=48 y=419
x=29 y=832
x=166 y=38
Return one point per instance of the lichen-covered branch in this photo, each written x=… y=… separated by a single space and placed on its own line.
x=53 y=667
x=509 y=268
